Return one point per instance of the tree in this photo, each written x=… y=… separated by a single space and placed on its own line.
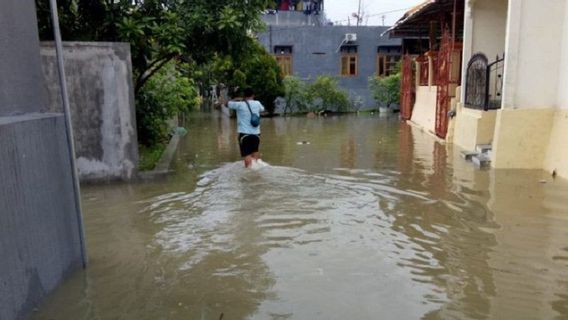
x=160 y=30
x=262 y=73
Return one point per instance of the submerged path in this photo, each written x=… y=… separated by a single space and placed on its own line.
x=370 y=220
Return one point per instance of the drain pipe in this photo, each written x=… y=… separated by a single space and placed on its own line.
x=68 y=127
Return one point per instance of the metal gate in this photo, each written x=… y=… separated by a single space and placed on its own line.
x=443 y=83
x=407 y=88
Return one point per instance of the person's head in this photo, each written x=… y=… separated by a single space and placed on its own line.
x=249 y=93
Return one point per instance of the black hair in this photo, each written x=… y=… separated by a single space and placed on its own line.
x=249 y=92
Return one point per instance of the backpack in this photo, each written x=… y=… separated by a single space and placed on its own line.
x=254 y=118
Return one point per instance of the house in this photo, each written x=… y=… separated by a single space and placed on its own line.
x=307 y=47
x=431 y=35
x=515 y=73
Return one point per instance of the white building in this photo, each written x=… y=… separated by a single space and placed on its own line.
x=521 y=108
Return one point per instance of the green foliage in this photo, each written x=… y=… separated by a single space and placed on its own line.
x=160 y=30
x=209 y=35
x=324 y=94
x=294 y=94
x=258 y=70
x=149 y=156
x=386 y=90
x=164 y=96
x=262 y=73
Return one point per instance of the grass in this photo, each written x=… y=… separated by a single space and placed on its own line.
x=149 y=156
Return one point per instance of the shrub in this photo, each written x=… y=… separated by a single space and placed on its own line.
x=386 y=91
x=165 y=95
x=325 y=94
x=294 y=94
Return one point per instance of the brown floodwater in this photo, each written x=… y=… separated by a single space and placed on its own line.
x=356 y=217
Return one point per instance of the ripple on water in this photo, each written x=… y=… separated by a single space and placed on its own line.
x=351 y=222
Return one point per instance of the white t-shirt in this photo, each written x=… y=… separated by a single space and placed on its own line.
x=243 y=115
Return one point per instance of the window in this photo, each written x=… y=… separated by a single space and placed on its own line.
x=349 y=61
x=386 y=65
x=387 y=58
x=283 y=55
x=285 y=63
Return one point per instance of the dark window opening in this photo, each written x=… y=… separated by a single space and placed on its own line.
x=283 y=50
x=386 y=64
x=348 y=49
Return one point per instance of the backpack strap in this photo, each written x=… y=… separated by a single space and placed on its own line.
x=248 y=105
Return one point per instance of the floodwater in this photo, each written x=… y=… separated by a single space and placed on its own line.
x=357 y=217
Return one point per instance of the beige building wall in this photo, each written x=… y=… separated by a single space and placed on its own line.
x=521 y=138
x=557 y=154
x=532 y=128
x=424 y=112
x=474 y=127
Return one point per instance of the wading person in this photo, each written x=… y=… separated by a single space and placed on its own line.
x=248 y=122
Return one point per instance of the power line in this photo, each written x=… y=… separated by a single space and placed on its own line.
x=379 y=14
x=338 y=21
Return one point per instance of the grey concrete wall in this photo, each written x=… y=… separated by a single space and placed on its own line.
x=39 y=228
x=21 y=91
x=316 y=52
x=101 y=96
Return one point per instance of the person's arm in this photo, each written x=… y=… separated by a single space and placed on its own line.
x=234 y=103
x=261 y=107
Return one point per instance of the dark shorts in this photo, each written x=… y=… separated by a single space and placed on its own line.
x=248 y=143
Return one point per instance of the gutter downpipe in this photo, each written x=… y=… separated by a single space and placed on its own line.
x=68 y=127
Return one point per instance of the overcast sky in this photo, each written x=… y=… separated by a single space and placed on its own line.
x=339 y=10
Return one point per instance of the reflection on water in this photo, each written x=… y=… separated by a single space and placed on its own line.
x=370 y=220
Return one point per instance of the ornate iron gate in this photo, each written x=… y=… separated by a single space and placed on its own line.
x=476 y=81
x=407 y=88
x=484 y=83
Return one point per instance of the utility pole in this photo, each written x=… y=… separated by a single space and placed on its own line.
x=383 y=19
x=359 y=14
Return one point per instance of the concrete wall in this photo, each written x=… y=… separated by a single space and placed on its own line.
x=293 y=18
x=40 y=231
x=316 y=52
x=562 y=100
x=533 y=53
x=489 y=27
x=474 y=127
x=484 y=31
x=557 y=153
x=521 y=138
x=15 y=89
x=424 y=112
x=99 y=78
x=531 y=130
